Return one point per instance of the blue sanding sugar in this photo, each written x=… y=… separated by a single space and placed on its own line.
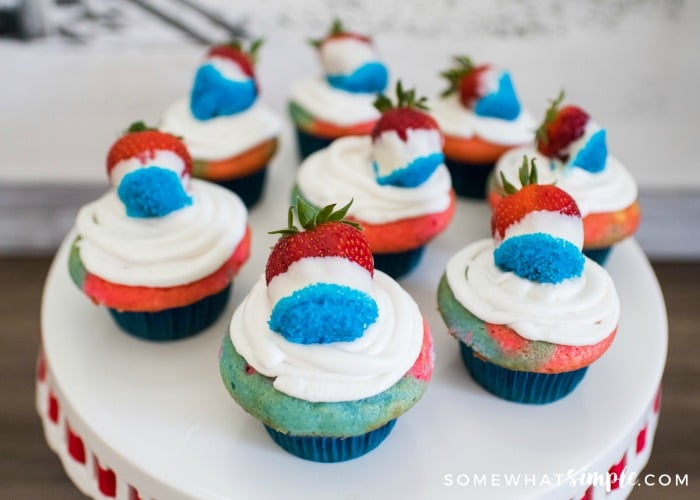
x=214 y=95
x=540 y=257
x=412 y=175
x=152 y=192
x=594 y=154
x=502 y=104
x=370 y=78
x=323 y=313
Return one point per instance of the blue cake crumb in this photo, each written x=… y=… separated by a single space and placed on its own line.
x=412 y=175
x=502 y=104
x=152 y=192
x=323 y=313
x=214 y=95
x=594 y=154
x=540 y=257
x=370 y=78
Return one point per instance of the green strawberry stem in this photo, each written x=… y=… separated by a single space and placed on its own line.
x=336 y=28
x=251 y=51
x=310 y=217
x=405 y=99
x=463 y=65
x=549 y=116
x=527 y=174
x=138 y=126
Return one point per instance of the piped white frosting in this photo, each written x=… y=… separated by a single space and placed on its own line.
x=339 y=371
x=578 y=311
x=610 y=190
x=343 y=172
x=457 y=121
x=391 y=152
x=179 y=248
x=333 y=105
x=221 y=137
x=342 y=56
x=161 y=158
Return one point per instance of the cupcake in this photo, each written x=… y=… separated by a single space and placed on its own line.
x=574 y=150
x=530 y=311
x=481 y=117
x=159 y=249
x=230 y=134
x=400 y=187
x=325 y=350
x=339 y=102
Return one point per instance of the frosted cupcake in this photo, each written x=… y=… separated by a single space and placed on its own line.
x=481 y=117
x=396 y=176
x=531 y=312
x=326 y=351
x=230 y=134
x=159 y=250
x=573 y=149
x=338 y=103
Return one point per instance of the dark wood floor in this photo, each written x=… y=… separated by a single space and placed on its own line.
x=29 y=470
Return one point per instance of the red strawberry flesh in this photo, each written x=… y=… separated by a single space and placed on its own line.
x=528 y=199
x=330 y=239
x=401 y=120
x=144 y=145
x=568 y=126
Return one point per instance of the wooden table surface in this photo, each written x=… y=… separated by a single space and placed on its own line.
x=29 y=470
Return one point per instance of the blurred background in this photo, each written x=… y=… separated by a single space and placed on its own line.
x=76 y=72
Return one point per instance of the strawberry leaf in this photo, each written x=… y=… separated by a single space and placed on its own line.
x=549 y=116
x=463 y=65
x=405 y=99
x=306 y=214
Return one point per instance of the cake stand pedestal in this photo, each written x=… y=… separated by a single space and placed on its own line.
x=136 y=420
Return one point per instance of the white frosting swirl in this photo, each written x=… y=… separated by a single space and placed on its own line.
x=343 y=172
x=457 y=121
x=221 y=137
x=578 y=311
x=179 y=248
x=610 y=190
x=339 y=371
x=333 y=105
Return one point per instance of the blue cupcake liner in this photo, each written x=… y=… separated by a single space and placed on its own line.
x=330 y=449
x=248 y=188
x=175 y=323
x=600 y=255
x=308 y=143
x=469 y=179
x=520 y=386
x=398 y=264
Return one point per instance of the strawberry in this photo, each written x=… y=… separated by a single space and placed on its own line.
x=466 y=79
x=399 y=158
x=325 y=234
x=530 y=198
x=538 y=231
x=142 y=142
x=338 y=32
x=484 y=89
x=408 y=113
x=244 y=58
x=561 y=127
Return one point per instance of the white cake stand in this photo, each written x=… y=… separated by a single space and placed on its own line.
x=131 y=419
